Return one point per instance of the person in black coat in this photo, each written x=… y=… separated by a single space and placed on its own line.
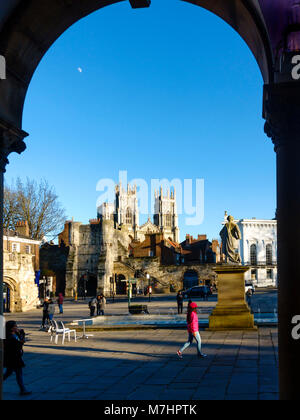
x=46 y=318
x=180 y=300
x=13 y=354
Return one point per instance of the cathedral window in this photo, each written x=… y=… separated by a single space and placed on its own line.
x=168 y=220
x=129 y=218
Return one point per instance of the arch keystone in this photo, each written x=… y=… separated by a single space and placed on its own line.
x=139 y=4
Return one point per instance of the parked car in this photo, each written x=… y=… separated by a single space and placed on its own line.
x=197 y=291
x=249 y=286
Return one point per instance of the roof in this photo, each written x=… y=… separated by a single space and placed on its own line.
x=15 y=236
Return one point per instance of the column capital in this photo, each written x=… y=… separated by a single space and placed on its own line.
x=11 y=140
x=282 y=113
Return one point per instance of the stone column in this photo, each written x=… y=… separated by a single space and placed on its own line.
x=11 y=140
x=282 y=113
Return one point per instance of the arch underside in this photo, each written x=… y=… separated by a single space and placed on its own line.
x=10 y=282
x=29 y=28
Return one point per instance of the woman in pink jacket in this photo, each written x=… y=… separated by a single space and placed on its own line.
x=193 y=329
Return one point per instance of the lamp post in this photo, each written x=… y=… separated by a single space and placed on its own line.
x=129 y=292
x=149 y=286
x=85 y=280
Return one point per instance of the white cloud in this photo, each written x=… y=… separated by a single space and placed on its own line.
x=80 y=69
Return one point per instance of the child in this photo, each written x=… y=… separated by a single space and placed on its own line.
x=193 y=329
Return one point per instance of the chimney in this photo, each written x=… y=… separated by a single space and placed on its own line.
x=202 y=237
x=22 y=228
x=189 y=239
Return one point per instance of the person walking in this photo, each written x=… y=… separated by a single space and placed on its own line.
x=102 y=304
x=60 y=302
x=13 y=355
x=193 y=330
x=51 y=310
x=98 y=304
x=180 y=300
x=249 y=297
x=205 y=294
x=93 y=306
x=45 y=314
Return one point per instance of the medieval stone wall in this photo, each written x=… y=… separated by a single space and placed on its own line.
x=19 y=275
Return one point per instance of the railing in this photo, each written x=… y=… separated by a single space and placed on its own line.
x=261 y=263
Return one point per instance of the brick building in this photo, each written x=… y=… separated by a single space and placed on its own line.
x=156 y=245
x=200 y=250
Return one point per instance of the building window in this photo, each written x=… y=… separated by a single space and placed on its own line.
x=253 y=255
x=128 y=217
x=269 y=274
x=253 y=275
x=269 y=254
x=28 y=249
x=151 y=254
x=15 y=247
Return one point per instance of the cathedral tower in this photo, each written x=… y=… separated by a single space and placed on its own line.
x=126 y=208
x=165 y=214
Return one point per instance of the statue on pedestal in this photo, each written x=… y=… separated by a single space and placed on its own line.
x=231 y=235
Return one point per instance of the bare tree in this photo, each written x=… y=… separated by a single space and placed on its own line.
x=10 y=208
x=37 y=204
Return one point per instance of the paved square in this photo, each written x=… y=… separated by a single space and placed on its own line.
x=142 y=365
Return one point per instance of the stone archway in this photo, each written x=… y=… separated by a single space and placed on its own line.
x=190 y=279
x=28 y=29
x=121 y=284
x=12 y=294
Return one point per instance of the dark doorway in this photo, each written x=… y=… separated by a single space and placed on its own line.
x=121 y=285
x=87 y=286
x=6 y=298
x=190 y=279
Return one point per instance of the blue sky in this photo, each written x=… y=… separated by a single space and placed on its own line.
x=166 y=92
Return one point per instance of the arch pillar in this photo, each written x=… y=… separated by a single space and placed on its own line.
x=282 y=114
x=11 y=140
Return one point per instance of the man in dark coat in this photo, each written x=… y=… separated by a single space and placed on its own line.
x=180 y=300
x=13 y=354
x=46 y=318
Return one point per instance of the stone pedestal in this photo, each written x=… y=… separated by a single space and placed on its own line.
x=232 y=311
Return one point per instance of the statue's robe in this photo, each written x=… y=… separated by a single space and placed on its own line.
x=230 y=235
